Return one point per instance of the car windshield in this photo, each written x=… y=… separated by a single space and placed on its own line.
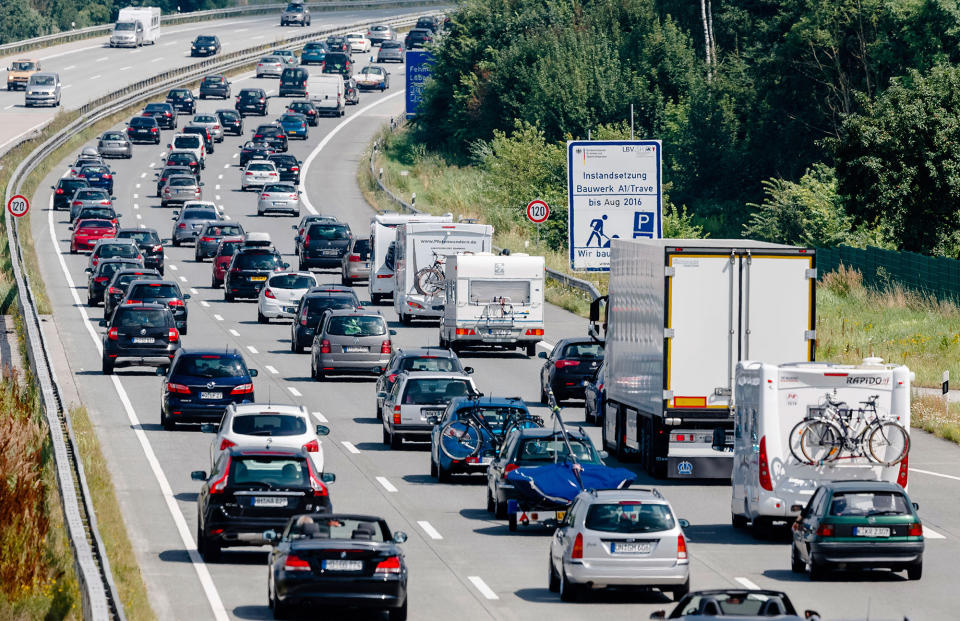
x=269 y=425
x=269 y=472
x=22 y=66
x=847 y=504
x=204 y=118
x=320 y=527
x=118 y=250
x=257 y=261
x=372 y=71
x=42 y=80
x=329 y=231
x=220 y=230
x=386 y=45
x=435 y=364
x=629 y=517
x=141 y=318
x=155 y=107
x=270 y=60
x=72 y=184
x=590 y=351
x=154 y=291
x=211 y=81
x=292 y=281
x=435 y=390
x=316 y=306
x=182 y=181
x=113 y=136
x=94 y=224
x=91 y=194
x=125 y=26
x=110 y=268
x=206 y=40
x=186 y=142
x=537 y=451
x=141 y=237
x=210 y=366
x=94 y=170
x=353 y=325
x=734 y=604
x=199 y=214
x=279 y=188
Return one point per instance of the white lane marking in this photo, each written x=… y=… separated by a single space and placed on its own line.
x=204 y=304
x=250 y=348
x=387 y=485
x=482 y=587
x=152 y=164
x=67 y=53
x=350 y=447
x=271 y=369
x=294 y=391
x=127 y=68
x=319 y=416
x=193 y=291
x=70 y=67
x=173 y=267
x=136 y=206
x=136 y=196
x=429 y=529
x=748 y=583
x=220 y=318
x=220 y=176
x=217 y=187
x=143 y=226
x=234 y=332
x=142 y=175
x=183 y=279
x=139 y=217
x=241 y=29
x=258 y=37
x=157 y=59
x=217 y=197
x=935 y=474
x=929 y=533
x=235 y=156
x=65 y=87
x=95 y=77
x=326 y=139
x=8 y=107
x=169 y=44
x=103 y=58
x=138 y=186
x=225 y=217
x=210 y=590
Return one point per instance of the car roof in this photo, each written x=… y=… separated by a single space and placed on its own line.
x=420 y=352
x=242 y=409
x=411 y=375
x=496 y=402
x=353 y=312
x=866 y=486
x=646 y=494
x=122 y=241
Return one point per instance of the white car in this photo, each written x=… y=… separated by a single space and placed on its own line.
x=281 y=294
x=287 y=56
x=371 y=77
x=270 y=66
x=192 y=143
x=358 y=42
x=257 y=174
x=268 y=426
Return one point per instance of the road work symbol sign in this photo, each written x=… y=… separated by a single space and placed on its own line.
x=614 y=191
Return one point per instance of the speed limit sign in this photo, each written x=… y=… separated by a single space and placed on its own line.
x=538 y=211
x=18 y=205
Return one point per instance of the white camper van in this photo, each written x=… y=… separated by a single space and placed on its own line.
x=421 y=250
x=493 y=300
x=383 y=232
x=769 y=480
x=136 y=26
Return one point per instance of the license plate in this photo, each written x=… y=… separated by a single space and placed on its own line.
x=427 y=413
x=258 y=278
x=211 y=395
x=561 y=515
x=871 y=531
x=356 y=350
x=278 y=203
x=289 y=309
x=500 y=332
x=631 y=548
x=341 y=565
x=269 y=501
x=143 y=339
x=328 y=253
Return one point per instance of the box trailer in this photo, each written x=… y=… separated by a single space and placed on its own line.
x=136 y=26
x=493 y=301
x=680 y=314
x=383 y=233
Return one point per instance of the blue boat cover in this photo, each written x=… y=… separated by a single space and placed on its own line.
x=557 y=484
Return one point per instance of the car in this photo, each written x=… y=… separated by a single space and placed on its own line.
x=495 y=411
x=323 y=244
x=254 y=150
x=143 y=129
x=735 y=604
x=114 y=144
x=338 y=62
x=428 y=22
x=208 y=240
x=352 y=342
x=337 y=43
x=165 y=292
x=288 y=167
x=19 y=72
x=270 y=66
x=99 y=276
x=313 y=53
x=182 y=100
x=64 y=191
x=355 y=264
x=43 y=89
x=258 y=174
x=281 y=294
x=351 y=93
x=294 y=125
x=87 y=196
x=114 y=249
x=287 y=56
x=209 y=122
x=98 y=176
x=417 y=401
x=117 y=285
x=306 y=221
x=97 y=212
x=594 y=398
x=310 y=310
x=189 y=221
x=282 y=197
x=417 y=37
x=373 y=77
x=432 y=359
x=164 y=113
x=204 y=133
x=337 y=559
x=273 y=486
x=179 y=189
x=231 y=121
x=189 y=141
x=151 y=247
x=858 y=525
x=85 y=159
x=619 y=538
x=379 y=33
x=267 y=426
x=358 y=43
x=295 y=13
x=391 y=51
x=190 y=169
x=248 y=271
x=569 y=364
x=139 y=335
x=272 y=134
x=222 y=258
x=307 y=109
x=215 y=86
x=205 y=45
x=251 y=101
x=87 y=232
x=294 y=82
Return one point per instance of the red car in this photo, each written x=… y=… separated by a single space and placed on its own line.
x=87 y=232
x=221 y=260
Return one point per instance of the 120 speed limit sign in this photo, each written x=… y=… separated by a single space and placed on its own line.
x=18 y=205
x=538 y=211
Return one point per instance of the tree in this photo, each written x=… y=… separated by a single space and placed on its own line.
x=18 y=20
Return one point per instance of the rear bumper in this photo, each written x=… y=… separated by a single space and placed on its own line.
x=196 y=412
x=868 y=554
x=585 y=572
x=412 y=430
x=331 y=363
x=249 y=531
x=274 y=310
x=331 y=261
x=366 y=591
x=244 y=290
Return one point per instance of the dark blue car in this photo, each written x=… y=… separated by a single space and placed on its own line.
x=200 y=384
x=98 y=176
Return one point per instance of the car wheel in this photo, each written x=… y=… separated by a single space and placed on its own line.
x=396 y=442
x=398 y=614
x=553 y=581
x=760 y=527
x=796 y=564
x=512 y=522
x=227 y=297
x=543 y=395
x=281 y=610
x=91 y=301
x=166 y=422
x=499 y=508
x=196 y=256
x=296 y=347
x=345 y=282
x=107 y=365
x=568 y=592
x=681 y=591
x=261 y=318
x=443 y=476
x=176 y=242
x=209 y=551
x=319 y=375
x=433 y=469
x=491 y=507
x=915 y=571
x=817 y=570
x=386 y=435
x=214 y=283
x=738 y=521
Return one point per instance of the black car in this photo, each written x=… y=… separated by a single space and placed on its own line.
x=143 y=129
x=737 y=603
x=418 y=37
x=251 y=491
x=305 y=223
x=210 y=235
x=151 y=247
x=254 y=150
x=338 y=62
x=273 y=135
x=99 y=276
x=98 y=176
x=248 y=271
x=182 y=100
x=165 y=292
x=337 y=43
x=288 y=167
x=231 y=121
x=310 y=310
x=351 y=92
x=429 y=23
x=178 y=163
x=165 y=114
x=331 y=560
x=432 y=359
x=293 y=82
x=215 y=86
x=203 y=132
x=307 y=109
x=252 y=101
x=63 y=191
x=200 y=384
x=323 y=245
x=139 y=335
x=117 y=286
x=205 y=45
x=569 y=364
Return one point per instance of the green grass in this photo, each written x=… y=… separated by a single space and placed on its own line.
x=929 y=414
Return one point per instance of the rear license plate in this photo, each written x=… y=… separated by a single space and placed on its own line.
x=341 y=565
x=500 y=332
x=211 y=395
x=258 y=278
x=871 y=531
x=269 y=501
x=561 y=515
x=278 y=203
x=427 y=413
x=143 y=339
x=289 y=309
x=328 y=253
x=631 y=548
x=356 y=350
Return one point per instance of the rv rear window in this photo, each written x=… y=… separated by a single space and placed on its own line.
x=488 y=291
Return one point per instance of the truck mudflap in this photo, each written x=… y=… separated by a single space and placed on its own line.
x=719 y=466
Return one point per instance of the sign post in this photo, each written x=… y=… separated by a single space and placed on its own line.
x=614 y=190
x=18 y=205
x=419 y=68
x=945 y=387
x=537 y=212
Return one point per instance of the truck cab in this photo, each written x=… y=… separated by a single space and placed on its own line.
x=19 y=72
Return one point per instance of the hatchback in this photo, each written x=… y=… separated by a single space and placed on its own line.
x=164 y=292
x=164 y=113
x=735 y=604
x=358 y=43
x=64 y=190
x=143 y=129
x=380 y=33
x=87 y=232
x=249 y=270
x=287 y=56
x=182 y=100
x=211 y=123
x=189 y=221
x=355 y=264
x=338 y=62
x=193 y=143
x=288 y=167
x=98 y=176
x=323 y=245
x=151 y=247
x=199 y=385
x=417 y=401
x=180 y=189
x=431 y=359
x=293 y=82
x=272 y=134
x=87 y=196
x=215 y=86
x=139 y=335
x=99 y=276
x=281 y=294
x=270 y=66
x=258 y=174
x=114 y=249
x=118 y=283
x=313 y=53
x=85 y=159
x=307 y=109
x=169 y=170
x=221 y=259
x=295 y=13
x=310 y=311
x=208 y=240
x=496 y=411
x=391 y=51
x=252 y=101
x=231 y=121
x=114 y=144
x=205 y=45
x=350 y=342
x=209 y=144
x=97 y=212
x=282 y=197
x=418 y=37
x=569 y=364
x=294 y=125
x=337 y=43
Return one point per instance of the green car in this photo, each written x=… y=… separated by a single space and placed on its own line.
x=858 y=525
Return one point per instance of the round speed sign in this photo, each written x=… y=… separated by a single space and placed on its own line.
x=538 y=211
x=18 y=205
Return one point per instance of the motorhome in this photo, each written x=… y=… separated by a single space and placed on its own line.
x=383 y=233
x=136 y=26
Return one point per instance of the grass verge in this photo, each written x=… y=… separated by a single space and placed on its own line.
x=927 y=413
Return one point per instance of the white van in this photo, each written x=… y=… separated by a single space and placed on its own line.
x=136 y=26
x=768 y=481
x=383 y=232
x=327 y=94
x=493 y=300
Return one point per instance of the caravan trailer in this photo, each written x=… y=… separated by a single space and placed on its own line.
x=136 y=26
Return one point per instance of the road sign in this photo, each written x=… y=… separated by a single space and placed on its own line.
x=419 y=67
x=538 y=211
x=614 y=190
x=18 y=205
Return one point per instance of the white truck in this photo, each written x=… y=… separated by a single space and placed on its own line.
x=383 y=233
x=136 y=26
x=769 y=481
x=681 y=313
x=494 y=301
x=421 y=250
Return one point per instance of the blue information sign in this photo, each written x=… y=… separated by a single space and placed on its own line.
x=419 y=67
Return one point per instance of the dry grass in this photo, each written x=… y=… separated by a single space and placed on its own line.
x=927 y=413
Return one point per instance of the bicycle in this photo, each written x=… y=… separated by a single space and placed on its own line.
x=837 y=429
x=429 y=280
x=461 y=439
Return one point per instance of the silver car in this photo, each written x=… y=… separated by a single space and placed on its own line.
x=89 y=197
x=287 y=56
x=114 y=144
x=355 y=264
x=271 y=66
x=619 y=538
x=211 y=123
x=416 y=399
x=295 y=13
x=43 y=89
x=279 y=197
x=189 y=221
x=258 y=174
x=380 y=33
x=179 y=189
x=390 y=51
x=350 y=341
x=281 y=294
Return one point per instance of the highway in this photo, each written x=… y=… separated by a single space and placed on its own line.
x=462 y=562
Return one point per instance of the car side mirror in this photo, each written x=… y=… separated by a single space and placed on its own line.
x=271 y=536
x=169 y=147
x=286 y=265
x=52 y=187
x=208 y=428
x=323 y=430
x=293 y=226
x=399 y=536
x=328 y=477
x=119 y=215
x=253 y=372
x=683 y=523
x=658 y=614
x=199 y=475
x=811 y=614
x=113 y=198
x=796 y=508
x=186 y=296
x=393 y=332
x=603 y=454
x=916 y=507
x=70 y=228
x=102 y=323
x=200 y=184
x=87 y=270
x=542 y=354
x=161 y=371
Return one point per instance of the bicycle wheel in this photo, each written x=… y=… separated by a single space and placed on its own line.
x=527 y=422
x=888 y=443
x=460 y=439
x=794 y=440
x=429 y=281
x=820 y=441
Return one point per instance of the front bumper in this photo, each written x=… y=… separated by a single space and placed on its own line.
x=41 y=98
x=598 y=576
x=868 y=554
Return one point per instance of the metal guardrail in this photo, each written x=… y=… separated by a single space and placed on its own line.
x=100 y=599
x=564 y=279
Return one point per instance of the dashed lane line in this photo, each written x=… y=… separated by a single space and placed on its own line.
x=387 y=485
x=429 y=529
x=194 y=291
x=250 y=348
x=748 y=583
x=173 y=267
x=482 y=587
x=220 y=318
x=204 y=304
x=272 y=369
x=234 y=332
x=935 y=474
x=182 y=278
x=319 y=416
x=350 y=447
x=294 y=391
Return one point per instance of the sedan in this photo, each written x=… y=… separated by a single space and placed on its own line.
x=182 y=100
x=270 y=66
x=258 y=174
x=92 y=212
x=190 y=221
x=281 y=294
x=118 y=284
x=418 y=37
x=211 y=123
x=231 y=121
x=180 y=189
x=281 y=197
x=307 y=109
x=254 y=150
x=273 y=135
x=569 y=364
x=64 y=191
x=89 y=197
x=165 y=114
x=200 y=384
x=416 y=359
x=215 y=86
x=205 y=45
x=115 y=144
x=98 y=176
x=86 y=233
x=210 y=235
x=294 y=125
x=358 y=43
x=371 y=77
x=221 y=260
x=252 y=101
x=380 y=33
x=391 y=51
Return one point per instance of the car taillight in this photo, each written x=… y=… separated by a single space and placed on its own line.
x=100 y=279
x=764 y=467
x=167 y=114
x=208 y=239
x=262 y=100
x=115 y=291
x=681 y=548
x=269 y=294
x=106 y=176
x=560 y=364
x=465 y=332
x=133 y=302
x=294 y=168
x=916 y=530
x=77 y=203
x=173 y=335
x=306 y=240
x=303 y=318
x=392 y=378
x=508 y=469
x=178 y=389
x=154 y=130
x=535 y=332
x=182 y=225
x=903 y=473
x=319 y=489
x=389 y=566
x=825 y=530
x=313 y=446
x=386 y=347
x=225 y=444
x=249 y=174
x=216 y=127
x=280 y=136
x=221 y=484
x=105 y=203
x=59 y=191
x=242 y=389
x=355 y=258
x=295 y=563
x=112 y=334
x=324 y=346
x=264 y=195
x=577 y=551
x=176 y=303
x=396 y=415
x=158 y=248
